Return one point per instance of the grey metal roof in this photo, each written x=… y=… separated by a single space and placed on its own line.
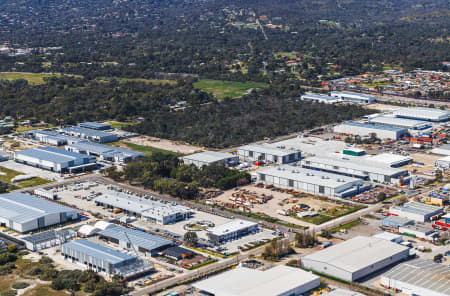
x=105 y=150
x=359 y=164
x=402 y=122
x=86 y=131
x=54 y=155
x=422 y=273
x=375 y=126
x=232 y=226
x=309 y=176
x=357 y=253
x=267 y=149
x=138 y=238
x=97 y=251
x=209 y=156
x=95 y=125
x=318 y=97
x=22 y=208
x=418 y=208
x=422 y=113
x=49 y=235
x=140 y=205
x=397 y=220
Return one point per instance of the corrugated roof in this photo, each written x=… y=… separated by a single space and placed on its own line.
x=54 y=155
x=422 y=273
x=209 y=156
x=267 y=149
x=95 y=125
x=309 y=176
x=423 y=113
x=397 y=220
x=319 y=97
x=22 y=208
x=105 y=150
x=357 y=253
x=355 y=164
x=389 y=158
x=250 y=282
x=232 y=226
x=407 y=123
x=418 y=208
x=352 y=94
x=86 y=131
x=138 y=238
x=375 y=126
x=97 y=251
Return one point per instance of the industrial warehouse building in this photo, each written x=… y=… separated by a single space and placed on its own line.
x=392 y=160
x=103 y=259
x=419 y=231
x=355 y=258
x=95 y=126
x=311 y=181
x=419 y=113
x=24 y=213
x=368 y=129
x=105 y=152
x=231 y=230
x=391 y=237
x=416 y=211
x=211 y=157
x=401 y=122
x=395 y=222
x=442 y=163
x=443 y=150
x=89 y=134
x=319 y=98
x=51 y=137
x=150 y=210
x=352 y=97
x=276 y=281
x=140 y=241
x=359 y=168
x=55 y=159
x=268 y=154
x=418 y=277
x=48 y=239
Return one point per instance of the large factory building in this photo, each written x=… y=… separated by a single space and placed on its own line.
x=368 y=129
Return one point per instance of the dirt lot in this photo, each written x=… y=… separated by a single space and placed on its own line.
x=280 y=201
x=381 y=107
x=427 y=159
x=178 y=147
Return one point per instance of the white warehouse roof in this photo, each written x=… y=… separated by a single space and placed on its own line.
x=357 y=253
x=422 y=113
x=390 y=159
x=209 y=156
x=267 y=150
x=401 y=122
x=232 y=226
x=387 y=236
x=250 y=282
x=309 y=176
x=424 y=276
x=418 y=208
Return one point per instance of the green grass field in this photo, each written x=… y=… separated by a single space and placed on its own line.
x=32 y=78
x=6 y=175
x=152 y=81
x=120 y=125
x=222 y=89
x=144 y=149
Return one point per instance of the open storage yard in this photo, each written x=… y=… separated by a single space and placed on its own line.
x=164 y=144
x=288 y=206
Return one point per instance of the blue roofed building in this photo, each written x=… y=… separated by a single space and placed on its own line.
x=95 y=125
x=55 y=159
x=89 y=134
x=24 y=213
x=140 y=241
x=51 y=137
x=105 y=152
x=103 y=259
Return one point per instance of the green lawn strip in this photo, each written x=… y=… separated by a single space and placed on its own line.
x=120 y=125
x=32 y=78
x=144 y=149
x=346 y=226
x=222 y=89
x=10 y=174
